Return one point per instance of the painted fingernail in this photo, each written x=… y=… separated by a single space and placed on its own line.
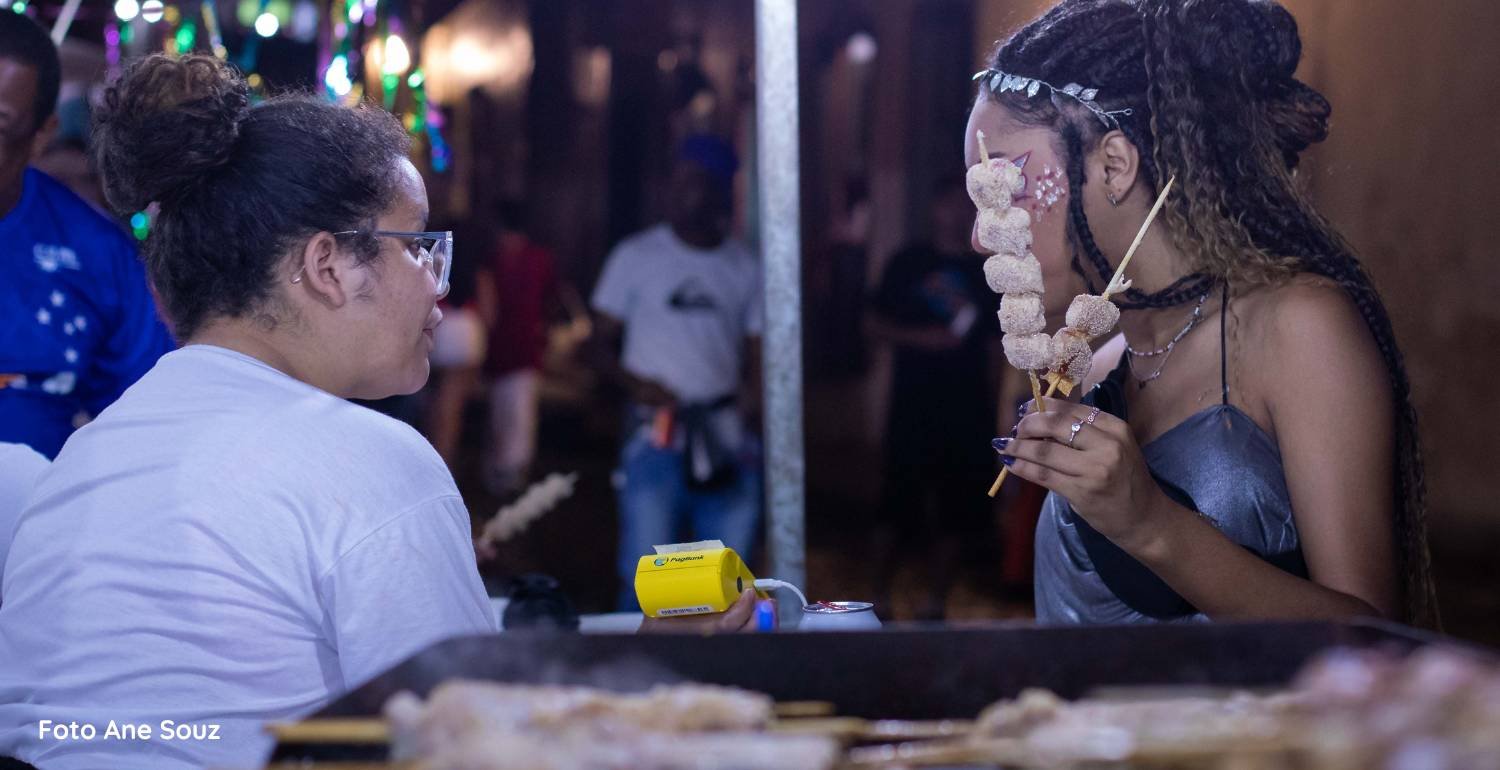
x=999 y=444
x=1022 y=411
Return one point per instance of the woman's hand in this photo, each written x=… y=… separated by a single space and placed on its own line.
x=740 y=617
x=1102 y=473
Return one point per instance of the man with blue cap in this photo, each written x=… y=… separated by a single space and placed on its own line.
x=685 y=297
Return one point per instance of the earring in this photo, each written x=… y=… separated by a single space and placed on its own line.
x=298 y=279
x=1113 y=201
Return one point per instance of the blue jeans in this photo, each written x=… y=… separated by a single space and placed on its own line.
x=656 y=507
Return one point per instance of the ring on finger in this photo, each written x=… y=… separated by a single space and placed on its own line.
x=1073 y=432
x=1092 y=416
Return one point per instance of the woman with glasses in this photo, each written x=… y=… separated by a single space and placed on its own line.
x=232 y=541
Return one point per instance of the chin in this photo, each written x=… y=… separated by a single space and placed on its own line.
x=419 y=377
x=407 y=382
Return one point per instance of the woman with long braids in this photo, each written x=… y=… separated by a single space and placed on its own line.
x=1255 y=453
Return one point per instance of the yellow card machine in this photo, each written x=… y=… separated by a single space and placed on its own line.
x=690 y=579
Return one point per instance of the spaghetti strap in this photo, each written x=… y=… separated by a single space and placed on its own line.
x=1224 y=344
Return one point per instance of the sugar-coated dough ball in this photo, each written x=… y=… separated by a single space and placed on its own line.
x=1028 y=352
x=1021 y=313
x=986 y=187
x=994 y=183
x=1093 y=315
x=1071 y=354
x=1007 y=274
x=1005 y=231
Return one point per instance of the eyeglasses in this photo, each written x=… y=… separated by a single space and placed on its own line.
x=433 y=248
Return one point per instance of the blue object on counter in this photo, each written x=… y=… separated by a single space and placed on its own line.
x=765 y=615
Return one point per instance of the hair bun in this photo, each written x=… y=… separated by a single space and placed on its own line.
x=1300 y=117
x=1255 y=41
x=166 y=125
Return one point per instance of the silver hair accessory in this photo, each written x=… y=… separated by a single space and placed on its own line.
x=1002 y=82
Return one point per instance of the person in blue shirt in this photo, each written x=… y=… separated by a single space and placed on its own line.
x=77 y=322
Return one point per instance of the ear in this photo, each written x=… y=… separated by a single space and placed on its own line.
x=43 y=137
x=329 y=273
x=1122 y=163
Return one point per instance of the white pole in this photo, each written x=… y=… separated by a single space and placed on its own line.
x=779 y=201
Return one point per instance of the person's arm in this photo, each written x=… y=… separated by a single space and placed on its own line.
x=929 y=337
x=410 y=583
x=486 y=298
x=752 y=392
x=613 y=298
x=882 y=322
x=1333 y=419
x=580 y=326
x=605 y=346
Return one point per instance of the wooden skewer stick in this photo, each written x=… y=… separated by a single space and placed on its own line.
x=984 y=152
x=1117 y=283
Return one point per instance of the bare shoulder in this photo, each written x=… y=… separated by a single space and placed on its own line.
x=1311 y=329
x=1306 y=313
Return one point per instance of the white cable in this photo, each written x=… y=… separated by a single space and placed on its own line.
x=768 y=584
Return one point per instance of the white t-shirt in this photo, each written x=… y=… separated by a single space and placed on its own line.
x=686 y=311
x=19 y=467
x=225 y=545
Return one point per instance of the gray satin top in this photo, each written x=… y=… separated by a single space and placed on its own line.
x=1218 y=462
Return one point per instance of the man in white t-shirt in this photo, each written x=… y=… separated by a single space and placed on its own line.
x=686 y=297
x=19 y=467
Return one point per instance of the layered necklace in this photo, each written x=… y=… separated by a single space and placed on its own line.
x=1165 y=352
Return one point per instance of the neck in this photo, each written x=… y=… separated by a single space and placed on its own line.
x=270 y=347
x=703 y=238
x=1156 y=265
x=10 y=197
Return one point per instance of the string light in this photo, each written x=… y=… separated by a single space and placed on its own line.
x=442 y=156
x=152 y=11
x=266 y=24
x=389 y=84
x=337 y=77
x=126 y=10
x=397 y=58
x=187 y=36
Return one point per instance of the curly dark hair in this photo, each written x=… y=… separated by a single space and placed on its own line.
x=1214 y=102
x=237 y=186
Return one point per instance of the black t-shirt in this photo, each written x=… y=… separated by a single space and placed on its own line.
x=939 y=396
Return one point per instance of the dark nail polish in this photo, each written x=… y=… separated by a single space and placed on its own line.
x=1021 y=412
x=999 y=444
x=1008 y=460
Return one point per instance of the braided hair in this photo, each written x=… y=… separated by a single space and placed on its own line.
x=1213 y=101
